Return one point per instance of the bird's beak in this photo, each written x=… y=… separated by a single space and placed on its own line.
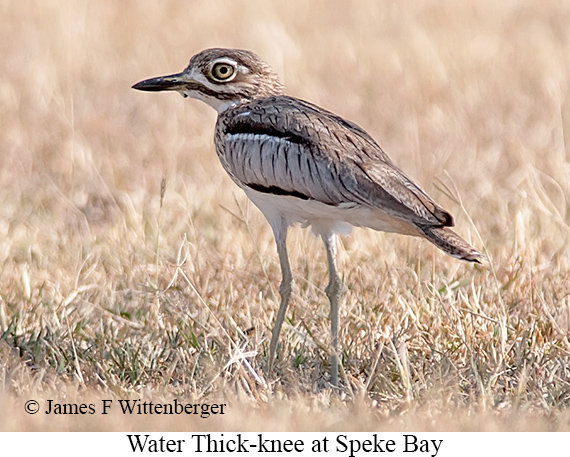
x=178 y=81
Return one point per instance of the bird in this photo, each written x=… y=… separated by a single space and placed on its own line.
x=301 y=164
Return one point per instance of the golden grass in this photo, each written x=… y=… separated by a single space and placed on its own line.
x=114 y=285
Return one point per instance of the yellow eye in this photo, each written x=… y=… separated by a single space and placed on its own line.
x=223 y=71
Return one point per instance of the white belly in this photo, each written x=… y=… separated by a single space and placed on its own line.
x=323 y=218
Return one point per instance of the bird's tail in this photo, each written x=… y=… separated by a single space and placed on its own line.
x=452 y=244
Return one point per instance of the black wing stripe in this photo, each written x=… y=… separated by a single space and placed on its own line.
x=277 y=191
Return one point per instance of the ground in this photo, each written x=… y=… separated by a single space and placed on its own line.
x=131 y=267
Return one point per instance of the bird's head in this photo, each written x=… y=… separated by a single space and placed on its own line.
x=221 y=78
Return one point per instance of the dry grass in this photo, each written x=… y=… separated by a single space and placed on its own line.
x=112 y=288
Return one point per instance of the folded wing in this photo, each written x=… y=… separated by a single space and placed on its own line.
x=286 y=146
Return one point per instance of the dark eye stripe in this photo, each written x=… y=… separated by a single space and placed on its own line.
x=213 y=93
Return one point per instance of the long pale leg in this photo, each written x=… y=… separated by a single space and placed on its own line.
x=333 y=293
x=284 y=290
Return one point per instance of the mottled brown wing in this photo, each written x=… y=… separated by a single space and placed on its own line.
x=286 y=146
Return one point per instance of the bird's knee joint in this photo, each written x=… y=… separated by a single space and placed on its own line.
x=334 y=288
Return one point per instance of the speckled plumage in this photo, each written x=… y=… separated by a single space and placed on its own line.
x=302 y=164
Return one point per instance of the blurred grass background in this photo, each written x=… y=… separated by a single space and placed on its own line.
x=132 y=267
